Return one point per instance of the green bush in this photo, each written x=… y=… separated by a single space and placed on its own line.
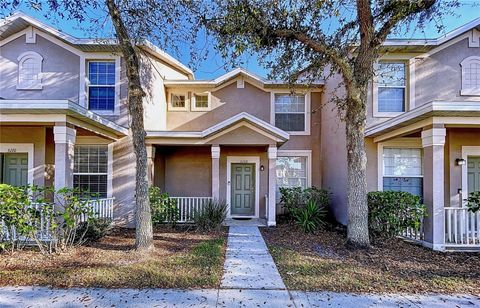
x=310 y=217
x=164 y=209
x=295 y=198
x=93 y=230
x=473 y=201
x=392 y=212
x=211 y=216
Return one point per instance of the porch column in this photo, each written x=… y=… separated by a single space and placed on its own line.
x=433 y=142
x=215 y=172
x=271 y=206
x=150 y=164
x=64 y=150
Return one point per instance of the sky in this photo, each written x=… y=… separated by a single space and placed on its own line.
x=215 y=66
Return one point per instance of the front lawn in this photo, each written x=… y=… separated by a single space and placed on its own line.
x=181 y=259
x=322 y=263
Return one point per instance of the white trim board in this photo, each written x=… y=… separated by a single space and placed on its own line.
x=247 y=160
x=21 y=148
x=303 y=153
x=467 y=151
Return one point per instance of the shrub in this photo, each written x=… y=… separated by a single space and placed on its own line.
x=310 y=217
x=295 y=198
x=93 y=230
x=473 y=201
x=164 y=209
x=391 y=212
x=211 y=216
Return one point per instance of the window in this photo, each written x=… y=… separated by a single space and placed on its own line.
x=470 y=76
x=90 y=170
x=403 y=170
x=391 y=87
x=200 y=102
x=290 y=112
x=29 y=71
x=178 y=101
x=101 y=88
x=292 y=171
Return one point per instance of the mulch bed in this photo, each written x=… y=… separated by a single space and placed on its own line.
x=181 y=258
x=322 y=262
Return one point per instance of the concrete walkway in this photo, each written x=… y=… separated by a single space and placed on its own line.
x=250 y=279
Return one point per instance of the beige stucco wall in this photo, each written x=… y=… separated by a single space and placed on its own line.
x=25 y=134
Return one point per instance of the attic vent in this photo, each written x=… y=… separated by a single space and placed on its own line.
x=240 y=84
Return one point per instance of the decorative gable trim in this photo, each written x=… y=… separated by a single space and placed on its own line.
x=29 y=71
x=470 y=76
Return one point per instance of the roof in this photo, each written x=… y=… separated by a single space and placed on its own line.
x=20 y=21
x=432 y=109
x=66 y=107
x=225 y=78
x=268 y=128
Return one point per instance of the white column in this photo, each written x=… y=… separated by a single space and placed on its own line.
x=216 y=172
x=433 y=142
x=150 y=164
x=64 y=150
x=271 y=206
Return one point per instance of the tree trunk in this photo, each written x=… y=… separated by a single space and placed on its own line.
x=143 y=219
x=357 y=229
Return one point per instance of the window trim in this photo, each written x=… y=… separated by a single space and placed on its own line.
x=194 y=101
x=39 y=61
x=464 y=91
x=171 y=108
x=409 y=95
x=306 y=131
x=116 y=103
x=97 y=141
x=299 y=153
x=406 y=142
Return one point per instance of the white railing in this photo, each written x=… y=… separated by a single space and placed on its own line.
x=188 y=205
x=414 y=234
x=102 y=208
x=462 y=227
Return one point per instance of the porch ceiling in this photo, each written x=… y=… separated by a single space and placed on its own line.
x=214 y=134
x=51 y=111
x=452 y=113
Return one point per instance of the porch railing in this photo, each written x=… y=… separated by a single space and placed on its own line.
x=102 y=208
x=415 y=234
x=187 y=206
x=462 y=227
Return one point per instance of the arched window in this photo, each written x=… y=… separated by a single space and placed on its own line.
x=470 y=76
x=29 y=71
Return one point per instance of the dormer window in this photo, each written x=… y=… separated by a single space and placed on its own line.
x=178 y=102
x=200 y=102
x=29 y=71
x=470 y=76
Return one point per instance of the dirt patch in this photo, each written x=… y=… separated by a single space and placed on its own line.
x=182 y=258
x=322 y=262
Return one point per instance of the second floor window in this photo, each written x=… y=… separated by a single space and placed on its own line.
x=290 y=112
x=391 y=87
x=201 y=101
x=101 y=88
x=178 y=101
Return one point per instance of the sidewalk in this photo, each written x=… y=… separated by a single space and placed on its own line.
x=251 y=279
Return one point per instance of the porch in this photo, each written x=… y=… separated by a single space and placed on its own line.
x=433 y=151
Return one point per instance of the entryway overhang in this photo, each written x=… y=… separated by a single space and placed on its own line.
x=241 y=129
x=49 y=112
x=436 y=113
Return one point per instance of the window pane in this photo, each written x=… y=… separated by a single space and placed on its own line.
x=402 y=162
x=178 y=101
x=410 y=185
x=291 y=171
x=95 y=184
x=472 y=76
x=292 y=122
x=289 y=103
x=391 y=99
x=90 y=168
x=201 y=101
x=101 y=73
x=391 y=74
x=101 y=98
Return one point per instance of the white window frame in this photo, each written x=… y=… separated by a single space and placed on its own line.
x=408 y=143
x=299 y=153
x=116 y=104
x=38 y=59
x=194 y=101
x=171 y=107
x=409 y=96
x=308 y=96
x=22 y=148
x=97 y=141
x=467 y=91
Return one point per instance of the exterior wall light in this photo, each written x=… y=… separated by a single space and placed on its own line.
x=460 y=161
x=262 y=168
